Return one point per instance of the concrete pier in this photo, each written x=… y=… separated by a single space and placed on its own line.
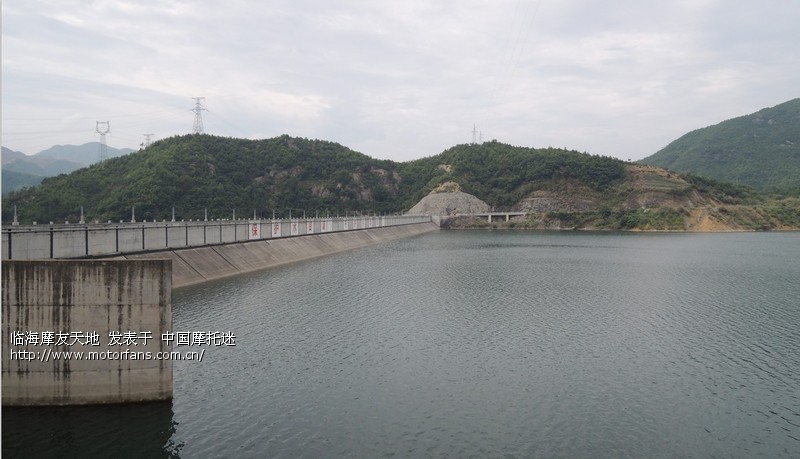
x=54 y=307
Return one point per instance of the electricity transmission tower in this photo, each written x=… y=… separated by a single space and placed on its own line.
x=103 y=128
x=474 y=134
x=198 y=115
x=148 y=139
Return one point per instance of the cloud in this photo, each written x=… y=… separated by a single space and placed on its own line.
x=395 y=79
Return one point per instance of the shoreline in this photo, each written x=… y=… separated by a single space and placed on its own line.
x=608 y=230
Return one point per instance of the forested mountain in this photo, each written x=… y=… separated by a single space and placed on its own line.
x=197 y=172
x=26 y=170
x=284 y=174
x=761 y=150
x=88 y=153
x=42 y=166
x=13 y=180
x=502 y=174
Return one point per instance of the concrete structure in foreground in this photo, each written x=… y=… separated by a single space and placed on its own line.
x=86 y=331
x=56 y=306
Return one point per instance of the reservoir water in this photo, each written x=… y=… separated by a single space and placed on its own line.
x=477 y=344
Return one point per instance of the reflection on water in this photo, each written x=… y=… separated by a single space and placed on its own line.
x=119 y=431
x=480 y=344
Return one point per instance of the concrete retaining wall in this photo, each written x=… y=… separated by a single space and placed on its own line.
x=196 y=265
x=79 y=298
x=109 y=239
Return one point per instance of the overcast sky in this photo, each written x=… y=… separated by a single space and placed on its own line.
x=394 y=79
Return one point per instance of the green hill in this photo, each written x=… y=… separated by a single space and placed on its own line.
x=502 y=174
x=193 y=173
x=560 y=188
x=13 y=180
x=198 y=172
x=761 y=150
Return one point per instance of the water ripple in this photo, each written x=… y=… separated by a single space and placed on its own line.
x=488 y=344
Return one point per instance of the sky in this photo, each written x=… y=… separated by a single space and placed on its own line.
x=394 y=79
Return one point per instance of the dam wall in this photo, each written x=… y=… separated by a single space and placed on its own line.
x=93 y=240
x=196 y=265
x=54 y=310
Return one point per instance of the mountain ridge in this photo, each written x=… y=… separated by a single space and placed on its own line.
x=761 y=150
x=294 y=176
x=23 y=170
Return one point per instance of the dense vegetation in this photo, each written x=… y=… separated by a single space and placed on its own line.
x=761 y=150
x=197 y=172
x=300 y=176
x=13 y=180
x=501 y=174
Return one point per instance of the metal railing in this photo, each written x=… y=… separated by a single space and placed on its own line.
x=110 y=239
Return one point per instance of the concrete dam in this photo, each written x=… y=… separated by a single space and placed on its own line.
x=208 y=250
x=87 y=308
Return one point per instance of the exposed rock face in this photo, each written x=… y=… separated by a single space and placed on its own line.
x=447 y=187
x=545 y=201
x=449 y=203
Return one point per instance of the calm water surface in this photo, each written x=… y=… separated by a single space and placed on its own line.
x=483 y=344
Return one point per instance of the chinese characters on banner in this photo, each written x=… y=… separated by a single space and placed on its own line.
x=255 y=230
